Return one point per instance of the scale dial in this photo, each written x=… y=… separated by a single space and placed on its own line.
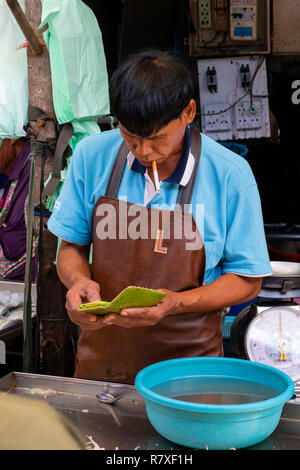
x=273 y=338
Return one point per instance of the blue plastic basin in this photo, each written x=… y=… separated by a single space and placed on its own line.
x=218 y=427
x=240 y=149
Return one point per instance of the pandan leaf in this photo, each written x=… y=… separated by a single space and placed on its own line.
x=130 y=297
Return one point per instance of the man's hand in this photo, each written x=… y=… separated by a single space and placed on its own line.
x=145 y=316
x=74 y=272
x=81 y=292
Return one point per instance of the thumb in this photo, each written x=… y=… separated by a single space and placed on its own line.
x=93 y=297
x=93 y=294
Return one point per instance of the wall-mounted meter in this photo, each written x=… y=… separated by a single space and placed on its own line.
x=243 y=20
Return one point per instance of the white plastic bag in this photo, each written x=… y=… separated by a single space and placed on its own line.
x=13 y=76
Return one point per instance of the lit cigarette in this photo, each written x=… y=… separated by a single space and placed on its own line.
x=157 y=185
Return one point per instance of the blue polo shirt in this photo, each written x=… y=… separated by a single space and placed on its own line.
x=225 y=204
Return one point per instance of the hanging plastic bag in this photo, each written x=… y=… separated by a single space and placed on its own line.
x=77 y=59
x=78 y=71
x=13 y=76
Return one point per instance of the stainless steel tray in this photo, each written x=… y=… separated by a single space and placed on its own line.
x=15 y=327
x=124 y=425
x=285 y=269
x=17 y=286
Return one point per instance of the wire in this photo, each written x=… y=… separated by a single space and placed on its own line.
x=224 y=110
x=212 y=40
x=221 y=46
x=243 y=96
x=252 y=81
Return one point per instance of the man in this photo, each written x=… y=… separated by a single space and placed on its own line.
x=152 y=95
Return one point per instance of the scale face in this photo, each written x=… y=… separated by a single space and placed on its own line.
x=273 y=338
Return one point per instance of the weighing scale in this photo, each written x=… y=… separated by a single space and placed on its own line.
x=268 y=331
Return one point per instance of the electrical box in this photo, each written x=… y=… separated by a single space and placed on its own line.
x=234 y=100
x=228 y=28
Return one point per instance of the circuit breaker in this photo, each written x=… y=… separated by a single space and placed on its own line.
x=234 y=98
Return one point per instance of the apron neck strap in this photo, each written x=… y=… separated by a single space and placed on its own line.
x=185 y=192
x=117 y=171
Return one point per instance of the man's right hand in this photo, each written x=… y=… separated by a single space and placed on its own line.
x=81 y=292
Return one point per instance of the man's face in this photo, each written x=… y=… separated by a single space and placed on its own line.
x=161 y=145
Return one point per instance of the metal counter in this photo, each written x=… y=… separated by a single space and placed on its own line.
x=17 y=286
x=125 y=425
x=15 y=327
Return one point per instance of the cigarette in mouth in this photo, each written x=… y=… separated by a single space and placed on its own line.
x=157 y=185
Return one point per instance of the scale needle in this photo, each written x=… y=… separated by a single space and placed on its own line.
x=282 y=352
x=282 y=355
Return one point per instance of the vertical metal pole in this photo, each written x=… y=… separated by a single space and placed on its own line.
x=27 y=318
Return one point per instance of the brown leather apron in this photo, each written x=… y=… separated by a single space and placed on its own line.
x=115 y=353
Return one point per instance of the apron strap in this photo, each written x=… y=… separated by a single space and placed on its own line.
x=117 y=171
x=185 y=192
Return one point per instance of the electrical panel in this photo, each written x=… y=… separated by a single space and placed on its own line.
x=234 y=98
x=226 y=28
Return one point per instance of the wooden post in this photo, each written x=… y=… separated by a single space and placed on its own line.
x=53 y=337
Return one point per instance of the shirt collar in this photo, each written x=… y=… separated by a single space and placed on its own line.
x=182 y=173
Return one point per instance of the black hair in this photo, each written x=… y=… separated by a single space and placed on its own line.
x=149 y=90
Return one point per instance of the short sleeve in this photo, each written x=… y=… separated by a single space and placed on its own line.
x=245 y=250
x=69 y=219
